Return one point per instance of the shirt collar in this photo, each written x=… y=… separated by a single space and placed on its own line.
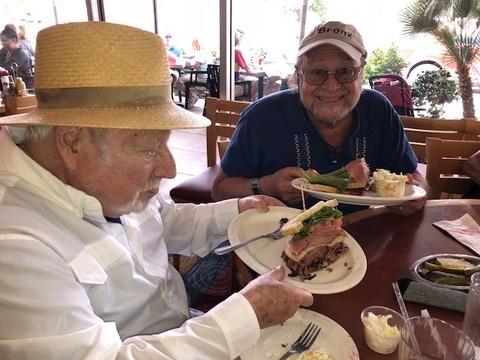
x=19 y=170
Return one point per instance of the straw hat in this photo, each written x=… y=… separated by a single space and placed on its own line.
x=96 y=74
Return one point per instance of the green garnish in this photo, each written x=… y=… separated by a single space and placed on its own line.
x=324 y=214
x=339 y=178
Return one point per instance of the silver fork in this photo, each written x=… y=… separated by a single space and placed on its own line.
x=304 y=341
x=275 y=235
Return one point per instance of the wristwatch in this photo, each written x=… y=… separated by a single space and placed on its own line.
x=255 y=187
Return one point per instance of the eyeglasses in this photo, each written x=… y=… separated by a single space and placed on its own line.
x=6 y=41
x=319 y=76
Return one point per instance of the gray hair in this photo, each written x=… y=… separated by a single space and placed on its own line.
x=22 y=134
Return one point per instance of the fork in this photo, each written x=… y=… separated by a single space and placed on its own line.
x=275 y=235
x=304 y=341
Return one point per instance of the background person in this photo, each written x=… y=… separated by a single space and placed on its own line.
x=324 y=124
x=84 y=235
x=199 y=62
x=25 y=43
x=241 y=65
x=12 y=52
x=170 y=45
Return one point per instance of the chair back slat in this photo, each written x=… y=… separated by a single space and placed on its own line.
x=418 y=129
x=224 y=115
x=472 y=129
x=445 y=165
x=433 y=123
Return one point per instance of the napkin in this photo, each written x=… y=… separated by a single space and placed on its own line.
x=421 y=293
x=465 y=230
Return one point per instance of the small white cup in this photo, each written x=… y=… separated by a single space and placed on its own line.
x=390 y=188
x=378 y=342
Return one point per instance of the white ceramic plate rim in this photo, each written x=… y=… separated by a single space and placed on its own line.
x=333 y=338
x=251 y=220
x=412 y=192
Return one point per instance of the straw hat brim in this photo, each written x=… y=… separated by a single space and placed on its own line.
x=149 y=117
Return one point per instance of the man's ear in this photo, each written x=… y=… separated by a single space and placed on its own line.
x=67 y=140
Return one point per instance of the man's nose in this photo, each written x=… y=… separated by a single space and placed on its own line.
x=165 y=165
x=331 y=82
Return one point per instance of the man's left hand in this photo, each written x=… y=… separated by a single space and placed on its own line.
x=259 y=202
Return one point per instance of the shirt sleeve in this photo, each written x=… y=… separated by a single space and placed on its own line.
x=240 y=60
x=46 y=314
x=224 y=332
x=191 y=229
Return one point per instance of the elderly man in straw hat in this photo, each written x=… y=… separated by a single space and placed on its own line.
x=327 y=123
x=84 y=236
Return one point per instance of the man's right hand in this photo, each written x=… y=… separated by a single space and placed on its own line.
x=279 y=184
x=273 y=301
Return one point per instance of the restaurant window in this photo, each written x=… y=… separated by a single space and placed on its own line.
x=267 y=34
x=137 y=13
x=35 y=15
x=192 y=25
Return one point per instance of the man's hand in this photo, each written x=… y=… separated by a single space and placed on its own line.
x=274 y=301
x=279 y=184
x=259 y=202
x=409 y=207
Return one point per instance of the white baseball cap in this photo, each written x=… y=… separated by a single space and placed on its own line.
x=344 y=36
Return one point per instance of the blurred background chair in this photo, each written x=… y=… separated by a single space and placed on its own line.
x=224 y=115
x=418 y=129
x=444 y=167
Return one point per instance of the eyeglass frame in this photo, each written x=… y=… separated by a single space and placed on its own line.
x=356 y=71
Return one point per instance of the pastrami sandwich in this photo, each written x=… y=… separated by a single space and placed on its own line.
x=317 y=239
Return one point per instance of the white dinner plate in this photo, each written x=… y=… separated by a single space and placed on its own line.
x=412 y=192
x=265 y=254
x=333 y=339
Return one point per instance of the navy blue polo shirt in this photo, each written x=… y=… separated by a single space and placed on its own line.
x=275 y=132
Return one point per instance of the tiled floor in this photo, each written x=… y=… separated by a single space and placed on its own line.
x=189 y=150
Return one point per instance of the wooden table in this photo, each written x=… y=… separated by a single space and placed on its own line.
x=391 y=244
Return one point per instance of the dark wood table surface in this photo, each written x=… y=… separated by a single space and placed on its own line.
x=392 y=243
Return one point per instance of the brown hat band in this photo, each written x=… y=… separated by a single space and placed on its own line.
x=88 y=97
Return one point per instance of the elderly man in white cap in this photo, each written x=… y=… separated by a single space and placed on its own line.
x=84 y=237
x=325 y=124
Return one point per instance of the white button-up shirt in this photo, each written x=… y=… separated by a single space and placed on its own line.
x=74 y=286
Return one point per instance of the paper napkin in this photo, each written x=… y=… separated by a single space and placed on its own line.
x=466 y=230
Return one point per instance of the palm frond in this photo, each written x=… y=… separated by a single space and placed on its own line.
x=464 y=8
x=415 y=20
x=462 y=48
x=437 y=8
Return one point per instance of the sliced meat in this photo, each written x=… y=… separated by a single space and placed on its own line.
x=320 y=234
x=358 y=171
x=315 y=260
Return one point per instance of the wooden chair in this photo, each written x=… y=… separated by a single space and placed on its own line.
x=19 y=104
x=418 y=129
x=445 y=164
x=224 y=116
x=472 y=129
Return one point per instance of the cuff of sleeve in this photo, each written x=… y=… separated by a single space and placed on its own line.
x=239 y=323
x=225 y=211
